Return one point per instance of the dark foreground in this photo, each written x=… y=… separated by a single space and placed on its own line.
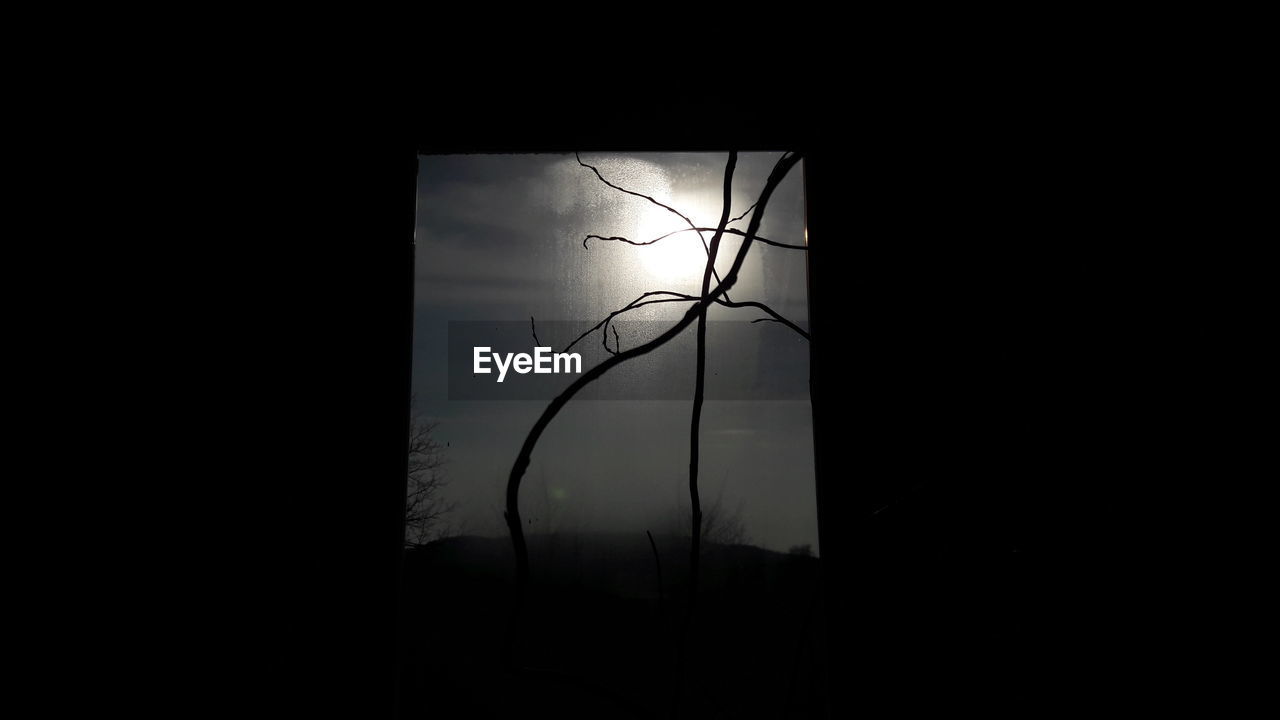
x=601 y=637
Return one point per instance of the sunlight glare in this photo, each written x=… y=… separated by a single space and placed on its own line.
x=678 y=259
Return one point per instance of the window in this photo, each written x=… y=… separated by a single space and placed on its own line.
x=604 y=255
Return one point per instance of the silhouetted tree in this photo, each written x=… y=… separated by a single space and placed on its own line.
x=425 y=506
x=721 y=524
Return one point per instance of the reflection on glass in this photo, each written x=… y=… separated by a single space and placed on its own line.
x=604 y=504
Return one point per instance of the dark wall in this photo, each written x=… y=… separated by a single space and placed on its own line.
x=975 y=389
x=973 y=498
x=315 y=381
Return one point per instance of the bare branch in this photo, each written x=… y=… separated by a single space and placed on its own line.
x=681 y=297
x=521 y=464
x=666 y=207
x=695 y=424
x=744 y=214
x=608 y=322
x=631 y=305
x=534 y=329
x=775 y=316
x=730 y=231
x=604 y=341
x=681 y=215
x=601 y=237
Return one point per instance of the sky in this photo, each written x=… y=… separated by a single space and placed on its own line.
x=499 y=238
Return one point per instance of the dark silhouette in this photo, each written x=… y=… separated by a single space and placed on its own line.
x=696 y=313
x=425 y=507
x=721 y=523
x=601 y=637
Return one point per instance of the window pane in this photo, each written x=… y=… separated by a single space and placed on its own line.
x=513 y=247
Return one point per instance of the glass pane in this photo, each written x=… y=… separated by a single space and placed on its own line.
x=516 y=247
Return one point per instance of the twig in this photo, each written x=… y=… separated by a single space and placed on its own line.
x=775 y=317
x=633 y=305
x=601 y=237
x=744 y=214
x=680 y=297
x=730 y=231
x=534 y=328
x=630 y=306
x=632 y=192
x=766 y=308
x=617 y=344
x=681 y=215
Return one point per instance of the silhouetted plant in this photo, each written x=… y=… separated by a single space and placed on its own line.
x=719 y=293
x=425 y=507
x=721 y=524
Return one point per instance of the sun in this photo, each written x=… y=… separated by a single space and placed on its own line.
x=678 y=259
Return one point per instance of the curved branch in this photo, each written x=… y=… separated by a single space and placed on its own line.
x=744 y=214
x=730 y=231
x=521 y=464
x=601 y=237
x=682 y=297
x=681 y=215
x=775 y=316
x=632 y=192
x=631 y=305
